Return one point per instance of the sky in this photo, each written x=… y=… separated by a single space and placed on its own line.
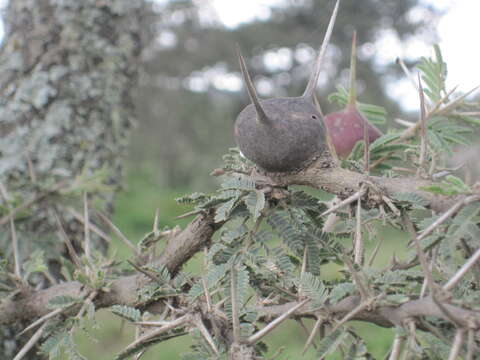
x=457 y=31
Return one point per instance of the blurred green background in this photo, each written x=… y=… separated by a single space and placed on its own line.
x=190 y=94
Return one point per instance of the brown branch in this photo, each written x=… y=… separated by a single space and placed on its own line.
x=385 y=316
x=344 y=183
x=123 y=291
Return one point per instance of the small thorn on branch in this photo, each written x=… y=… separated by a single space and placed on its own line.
x=272 y=325
x=117 y=232
x=397 y=345
x=30 y=343
x=457 y=344
x=345 y=202
x=233 y=299
x=206 y=335
x=358 y=238
x=317 y=325
x=86 y=217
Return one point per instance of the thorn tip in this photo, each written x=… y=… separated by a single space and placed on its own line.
x=312 y=82
x=252 y=93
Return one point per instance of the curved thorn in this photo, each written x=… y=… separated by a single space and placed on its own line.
x=261 y=116
x=312 y=82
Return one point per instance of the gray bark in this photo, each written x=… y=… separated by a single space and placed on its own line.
x=68 y=70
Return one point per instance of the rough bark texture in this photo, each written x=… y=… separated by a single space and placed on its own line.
x=344 y=183
x=68 y=71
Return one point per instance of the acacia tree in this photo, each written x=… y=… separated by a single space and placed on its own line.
x=273 y=240
x=68 y=70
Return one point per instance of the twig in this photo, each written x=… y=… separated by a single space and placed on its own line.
x=447 y=214
x=317 y=325
x=207 y=295
x=407 y=124
x=451 y=317
x=42 y=320
x=87 y=301
x=272 y=325
x=233 y=299
x=391 y=205
x=462 y=271
x=144 y=272
x=203 y=330
x=412 y=339
x=423 y=130
x=92 y=227
x=345 y=202
x=140 y=354
x=410 y=131
x=471 y=347
x=86 y=228
x=455 y=102
x=407 y=72
x=152 y=323
x=332 y=218
x=356 y=279
x=30 y=343
x=117 y=232
x=355 y=311
x=375 y=251
x=358 y=245
x=457 y=344
x=190 y=213
x=381 y=159
x=16 y=256
x=303 y=269
x=421 y=255
x=71 y=250
x=396 y=347
x=154 y=333
x=304 y=328
x=425 y=281
x=156 y=221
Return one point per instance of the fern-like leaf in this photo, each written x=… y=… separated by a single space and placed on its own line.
x=127 y=312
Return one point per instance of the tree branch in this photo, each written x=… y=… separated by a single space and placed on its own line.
x=123 y=291
x=385 y=316
x=344 y=183
x=180 y=248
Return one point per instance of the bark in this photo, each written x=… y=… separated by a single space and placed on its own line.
x=342 y=182
x=68 y=71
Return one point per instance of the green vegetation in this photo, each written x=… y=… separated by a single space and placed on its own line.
x=135 y=209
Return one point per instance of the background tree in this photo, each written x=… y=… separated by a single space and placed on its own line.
x=68 y=70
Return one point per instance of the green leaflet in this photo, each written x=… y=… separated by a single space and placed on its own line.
x=331 y=342
x=313 y=287
x=63 y=301
x=223 y=211
x=434 y=72
x=127 y=312
x=213 y=277
x=255 y=202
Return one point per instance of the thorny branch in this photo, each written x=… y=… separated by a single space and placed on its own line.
x=180 y=247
